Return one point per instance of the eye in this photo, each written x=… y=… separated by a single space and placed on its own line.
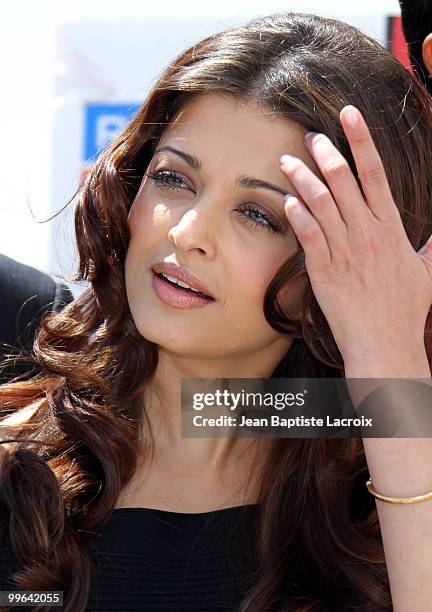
x=258 y=219
x=168 y=179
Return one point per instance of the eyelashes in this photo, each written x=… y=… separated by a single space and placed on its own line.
x=170 y=180
x=165 y=180
x=247 y=208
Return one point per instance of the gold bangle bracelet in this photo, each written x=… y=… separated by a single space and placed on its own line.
x=397 y=500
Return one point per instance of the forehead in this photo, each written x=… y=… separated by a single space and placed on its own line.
x=220 y=128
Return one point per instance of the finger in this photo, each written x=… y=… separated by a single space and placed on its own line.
x=339 y=178
x=309 y=234
x=369 y=165
x=320 y=202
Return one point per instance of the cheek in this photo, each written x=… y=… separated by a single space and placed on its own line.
x=133 y=217
x=137 y=213
x=255 y=275
x=148 y=219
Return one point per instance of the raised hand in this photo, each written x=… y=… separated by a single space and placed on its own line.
x=374 y=289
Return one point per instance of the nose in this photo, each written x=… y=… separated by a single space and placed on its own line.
x=195 y=231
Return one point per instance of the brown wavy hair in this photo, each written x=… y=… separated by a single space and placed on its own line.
x=316 y=535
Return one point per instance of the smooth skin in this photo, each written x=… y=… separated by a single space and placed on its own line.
x=355 y=245
x=202 y=218
x=373 y=288
x=375 y=291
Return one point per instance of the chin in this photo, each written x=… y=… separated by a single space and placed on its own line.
x=173 y=339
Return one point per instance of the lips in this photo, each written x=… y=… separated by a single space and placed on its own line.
x=182 y=274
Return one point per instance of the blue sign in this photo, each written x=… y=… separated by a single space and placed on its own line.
x=102 y=123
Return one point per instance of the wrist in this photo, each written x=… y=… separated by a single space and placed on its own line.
x=373 y=362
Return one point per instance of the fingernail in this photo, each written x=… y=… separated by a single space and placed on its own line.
x=286 y=159
x=351 y=116
x=310 y=135
x=290 y=199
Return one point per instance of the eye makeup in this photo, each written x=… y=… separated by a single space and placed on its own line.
x=171 y=180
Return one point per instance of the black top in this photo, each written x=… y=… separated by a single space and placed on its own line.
x=150 y=560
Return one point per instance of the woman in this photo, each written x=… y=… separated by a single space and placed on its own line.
x=332 y=281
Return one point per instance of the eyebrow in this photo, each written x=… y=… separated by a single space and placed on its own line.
x=248 y=182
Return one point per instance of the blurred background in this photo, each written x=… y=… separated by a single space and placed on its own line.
x=73 y=73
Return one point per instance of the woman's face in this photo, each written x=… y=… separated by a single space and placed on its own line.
x=199 y=210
